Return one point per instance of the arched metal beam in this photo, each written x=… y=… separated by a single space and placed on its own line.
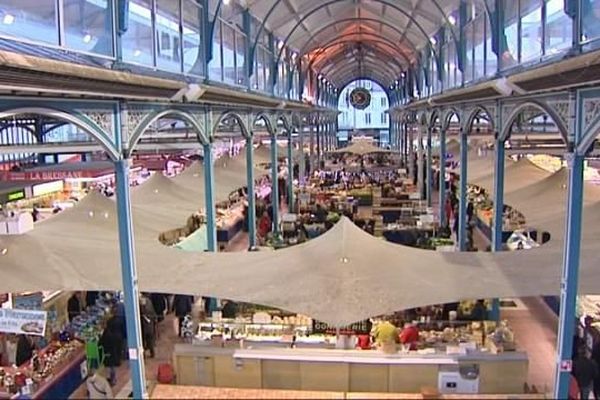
x=349 y=68
x=330 y=2
x=447 y=117
x=75 y=118
x=262 y=116
x=323 y=5
x=539 y=105
x=370 y=38
x=341 y=21
x=155 y=116
x=365 y=77
x=330 y=69
x=237 y=117
x=479 y=110
x=371 y=62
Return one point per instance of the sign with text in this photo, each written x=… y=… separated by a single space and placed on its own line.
x=357 y=328
x=27 y=322
x=52 y=175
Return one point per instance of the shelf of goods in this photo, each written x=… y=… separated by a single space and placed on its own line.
x=476 y=357
x=229 y=222
x=484 y=211
x=60 y=368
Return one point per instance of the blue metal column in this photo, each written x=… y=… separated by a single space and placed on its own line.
x=462 y=196
x=420 y=166
x=429 y=175
x=290 y=173
x=209 y=193
x=442 y=182
x=211 y=223
x=498 y=218
x=570 y=276
x=274 y=183
x=251 y=193
x=302 y=160
x=130 y=281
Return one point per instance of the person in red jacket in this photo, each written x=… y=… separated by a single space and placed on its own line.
x=410 y=336
x=264 y=225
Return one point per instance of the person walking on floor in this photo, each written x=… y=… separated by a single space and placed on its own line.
x=97 y=386
x=148 y=322
x=112 y=343
x=182 y=305
x=585 y=371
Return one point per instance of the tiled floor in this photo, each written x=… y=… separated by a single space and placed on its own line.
x=535 y=331
x=167 y=337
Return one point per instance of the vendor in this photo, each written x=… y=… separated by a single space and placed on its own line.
x=320 y=214
x=410 y=336
x=25 y=349
x=386 y=337
x=74 y=306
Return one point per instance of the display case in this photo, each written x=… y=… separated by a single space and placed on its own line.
x=56 y=372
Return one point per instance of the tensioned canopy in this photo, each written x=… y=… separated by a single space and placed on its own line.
x=341 y=277
x=360 y=149
x=517 y=175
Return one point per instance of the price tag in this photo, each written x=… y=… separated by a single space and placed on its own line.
x=566 y=366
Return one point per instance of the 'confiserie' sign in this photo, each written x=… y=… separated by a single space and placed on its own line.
x=28 y=322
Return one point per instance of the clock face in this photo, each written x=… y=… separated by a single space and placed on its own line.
x=360 y=98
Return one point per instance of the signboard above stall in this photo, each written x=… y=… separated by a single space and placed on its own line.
x=358 y=328
x=47 y=188
x=14 y=195
x=26 y=322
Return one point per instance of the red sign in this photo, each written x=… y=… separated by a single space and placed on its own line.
x=51 y=175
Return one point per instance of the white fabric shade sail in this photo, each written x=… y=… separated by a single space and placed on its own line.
x=340 y=277
x=361 y=148
x=517 y=175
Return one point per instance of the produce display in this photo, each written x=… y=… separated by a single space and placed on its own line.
x=90 y=323
x=43 y=366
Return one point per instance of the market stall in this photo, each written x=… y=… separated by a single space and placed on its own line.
x=294 y=353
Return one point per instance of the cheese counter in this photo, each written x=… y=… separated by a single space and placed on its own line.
x=350 y=370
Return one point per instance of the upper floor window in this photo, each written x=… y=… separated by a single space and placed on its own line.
x=87 y=24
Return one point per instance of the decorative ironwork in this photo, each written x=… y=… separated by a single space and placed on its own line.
x=102 y=118
x=561 y=108
x=591 y=111
x=134 y=119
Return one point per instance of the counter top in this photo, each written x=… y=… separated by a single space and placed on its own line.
x=348 y=356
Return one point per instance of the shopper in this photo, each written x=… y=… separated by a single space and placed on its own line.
x=596 y=358
x=470 y=209
x=148 y=322
x=230 y=309
x=160 y=304
x=182 y=305
x=74 y=306
x=112 y=343
x=25 y=349
x=585 y=371
x=479 y=311
x=90 y=297
x=264 y=225
x=97 y=386
x=410 y=336
x=449 y=213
